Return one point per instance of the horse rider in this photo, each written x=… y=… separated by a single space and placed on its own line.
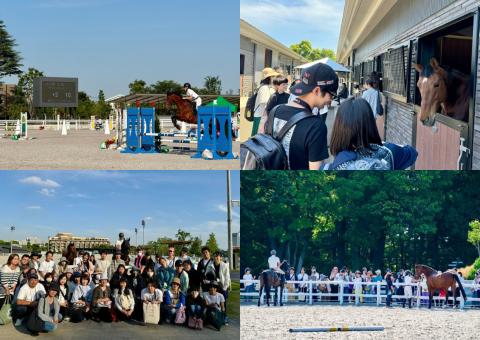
x=192 y=96
x=118 y=244
x=274 y=265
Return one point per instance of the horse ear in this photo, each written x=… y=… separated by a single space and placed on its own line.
x=418 y=67
x=435 y=65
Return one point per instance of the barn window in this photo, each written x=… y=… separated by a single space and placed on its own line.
x=451 y=46
x=268 y=58
x=357 y=73
x=394 y=71
x=242 y=64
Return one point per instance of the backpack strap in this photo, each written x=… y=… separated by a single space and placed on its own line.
x=290 y=123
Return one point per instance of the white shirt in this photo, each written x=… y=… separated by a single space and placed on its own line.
x=46 y=267
x=315 y=276
x=302 y=277
x=263 y=95
x=195 y=97
x=156 y=296
x=273 y=262
x=217 y=299
x=31 y=294
x=118 y=244
x=248 y=277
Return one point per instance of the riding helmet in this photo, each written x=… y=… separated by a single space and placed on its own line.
x=187 y=85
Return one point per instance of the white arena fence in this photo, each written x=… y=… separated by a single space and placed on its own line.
x=376 y=296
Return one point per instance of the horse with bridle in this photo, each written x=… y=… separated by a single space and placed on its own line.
x=445 y=280
x=184 y=111
x=443 y=90
x=268 y=279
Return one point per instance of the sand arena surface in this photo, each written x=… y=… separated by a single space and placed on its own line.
x=274 y=322
x=80 y=149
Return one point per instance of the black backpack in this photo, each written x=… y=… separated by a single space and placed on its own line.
x=263 y=151
x=250 y=106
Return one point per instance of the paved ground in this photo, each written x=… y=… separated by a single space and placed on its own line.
x=275 y=322
x=81 y=150
x=122 y=331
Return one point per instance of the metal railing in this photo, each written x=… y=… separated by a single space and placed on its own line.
x=371 y=293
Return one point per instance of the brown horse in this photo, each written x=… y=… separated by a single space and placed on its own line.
x=270 y=279
x=439 y=281
x=442 y=89
x=184 y=109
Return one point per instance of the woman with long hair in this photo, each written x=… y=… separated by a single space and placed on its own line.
x=124 y=301
x=9 y=274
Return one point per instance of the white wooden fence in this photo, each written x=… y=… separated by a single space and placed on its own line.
x=378 y=298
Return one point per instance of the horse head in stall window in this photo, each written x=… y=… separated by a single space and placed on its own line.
x=443 y=90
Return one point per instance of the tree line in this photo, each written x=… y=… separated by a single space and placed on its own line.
x=22 y=98
x=356 y=219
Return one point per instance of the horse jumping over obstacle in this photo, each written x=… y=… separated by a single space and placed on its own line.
x=184 y=112
x=439 y=281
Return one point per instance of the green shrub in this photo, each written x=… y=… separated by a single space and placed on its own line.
x=476 y=266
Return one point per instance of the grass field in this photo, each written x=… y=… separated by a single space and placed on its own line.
x=233 y=302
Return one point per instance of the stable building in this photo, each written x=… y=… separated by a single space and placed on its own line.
x=388 y=37
x=257 y=51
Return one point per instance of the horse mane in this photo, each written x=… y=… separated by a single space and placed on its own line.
x=455 y=80
x=427 y=267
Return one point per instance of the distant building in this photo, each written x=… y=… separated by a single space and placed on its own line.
x=236 y=239
x=15 y=248
x=32 y=240
x=59 y=242
x=257 y=51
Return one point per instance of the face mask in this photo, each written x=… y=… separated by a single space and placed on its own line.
x=150 y=274
x=195 y=294
x=49 y=279
x=139 y=253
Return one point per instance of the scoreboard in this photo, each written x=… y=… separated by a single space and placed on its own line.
x=55 y=92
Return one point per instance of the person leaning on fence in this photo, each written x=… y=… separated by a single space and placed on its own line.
x=46 y=316
x=174 y=302
x=264 y=93
x=215 y=307
x=9 y=275
x=390 y=287
x=356 y=143
x=124 y=301
x=302 y=287
x=27 y=299
x=476 y=288
x=151 y=298
x=249 y=286
x=195 y=308
x=101 y=302
x=358 y=287
x=305 y=143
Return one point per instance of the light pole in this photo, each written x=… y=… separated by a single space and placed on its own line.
x=143 y=226
x=12 y=228
x=229 y=222
x=136 y=239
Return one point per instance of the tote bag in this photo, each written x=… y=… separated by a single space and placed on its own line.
x=180 y=317
x=151 y=313
x=6 y=311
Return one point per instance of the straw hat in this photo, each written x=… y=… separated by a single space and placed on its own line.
x=269 y=72
x=176 y=281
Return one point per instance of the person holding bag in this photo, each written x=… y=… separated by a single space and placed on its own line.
x=215 y=313
x=174 y=303
x=81 y=300
x=195 y=308
x=151 y=297
x=124 y=301
x=47 y=314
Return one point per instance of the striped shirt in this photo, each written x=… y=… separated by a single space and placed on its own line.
x=8 y=277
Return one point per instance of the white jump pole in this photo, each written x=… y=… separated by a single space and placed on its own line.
x=338 y=329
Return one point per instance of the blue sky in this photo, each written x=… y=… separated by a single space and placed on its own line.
x=291 y=21
x=103 y=203
x=109 y=43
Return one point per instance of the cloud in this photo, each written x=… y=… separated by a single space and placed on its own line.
x=78 y=195
x=223 y=208
x=70 y=3
x=34 y=207
x=44 y=183
x=303 y=15
x=47 y=192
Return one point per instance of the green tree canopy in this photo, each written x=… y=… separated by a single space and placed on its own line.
x=305 y=49
x=25 y=85
x=474 y=234
x=212 y=85
x=137 y=86
x=212 y=243
x=9 y=58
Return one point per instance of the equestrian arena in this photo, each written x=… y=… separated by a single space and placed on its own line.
x=399 y=323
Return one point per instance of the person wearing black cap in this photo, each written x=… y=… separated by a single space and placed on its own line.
x=305 y=143
x=48 y=310
x=27 y=298
x=180 y=273
x=192 y=96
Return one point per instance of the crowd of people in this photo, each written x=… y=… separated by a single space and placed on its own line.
x=401 y=283
x=355 y=142
x=154 y=290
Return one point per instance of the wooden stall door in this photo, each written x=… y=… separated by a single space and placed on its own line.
x=437 y=150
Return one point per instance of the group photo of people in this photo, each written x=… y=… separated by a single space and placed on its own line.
x=150 y=289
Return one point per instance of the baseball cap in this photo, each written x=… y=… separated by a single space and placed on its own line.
x=320 y=75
